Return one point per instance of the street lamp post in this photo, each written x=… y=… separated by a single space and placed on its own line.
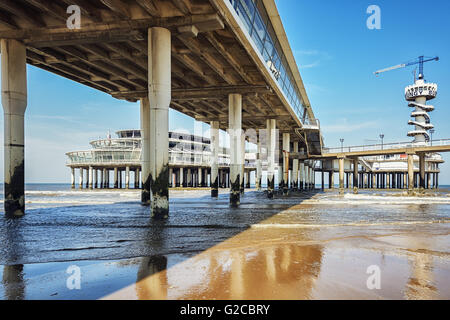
x=432 y=131
x=342 y=145
x=382 y=140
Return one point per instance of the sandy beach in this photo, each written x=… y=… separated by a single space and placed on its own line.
x=308 y=246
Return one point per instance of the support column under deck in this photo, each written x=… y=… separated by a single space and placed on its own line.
x=235 y=132
x=341 y=175
x=159 y=92
x=410 y=172
x=242 y=173
x=295 y=169
x=422 y=171
x=258 y=176
x=127 y=178
x=14 y=101
x=145 y=160
x=116 y=178
x=271 y=145
x=81 y=181
x=355 y=175
x=215 y=145
x=286 y=152
x=302 y=175
x=72 y=177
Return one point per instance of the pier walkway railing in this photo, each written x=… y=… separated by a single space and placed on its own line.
x=386 y=146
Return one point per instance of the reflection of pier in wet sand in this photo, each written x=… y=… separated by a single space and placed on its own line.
x=282 y=258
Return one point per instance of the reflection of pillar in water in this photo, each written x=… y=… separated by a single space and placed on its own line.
x=237 y=280
x=270 y=264
x=151 y=282
x=420 y=283
x=13 y=283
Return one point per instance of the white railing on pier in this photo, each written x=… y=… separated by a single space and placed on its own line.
x=387 y=146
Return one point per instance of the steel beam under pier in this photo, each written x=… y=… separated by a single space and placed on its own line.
x=14 y=101
x=235 y=132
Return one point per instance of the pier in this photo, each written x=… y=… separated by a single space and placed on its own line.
x=226 y=63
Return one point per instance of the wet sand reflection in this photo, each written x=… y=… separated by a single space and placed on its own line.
x=239 y=268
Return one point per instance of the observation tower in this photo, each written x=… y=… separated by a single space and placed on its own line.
x=417 y=95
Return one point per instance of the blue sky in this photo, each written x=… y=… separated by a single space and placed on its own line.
x=337 y=55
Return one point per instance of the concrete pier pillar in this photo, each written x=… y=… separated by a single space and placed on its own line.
x=242 y=173
x=331 y=180
x=14 y=101
x=102 y=179
x=235 y=132
x=215 y=145
x=116 y=178
x=302 y=175
x=410 y=172
x=295 y=169
x=88 y=177
x=159 y=92
x=323 y=179
x=81 y=179
x=272 y=137
x=355 y=175
x=422 y=170
x=95 y=182
x=72 y=177
x=388 y=180
x=341 y=175
x=137 y=178
x=405 y=180
x=105 y=178
x=280 y=177
x=171 y=184
x=127 y=178
x=189 y=178
x=200 y=178
x=286 y=152
x=145 y=157
x=182 y=185
x=258 y=176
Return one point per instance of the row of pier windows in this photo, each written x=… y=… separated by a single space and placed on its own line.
x=256 y=21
